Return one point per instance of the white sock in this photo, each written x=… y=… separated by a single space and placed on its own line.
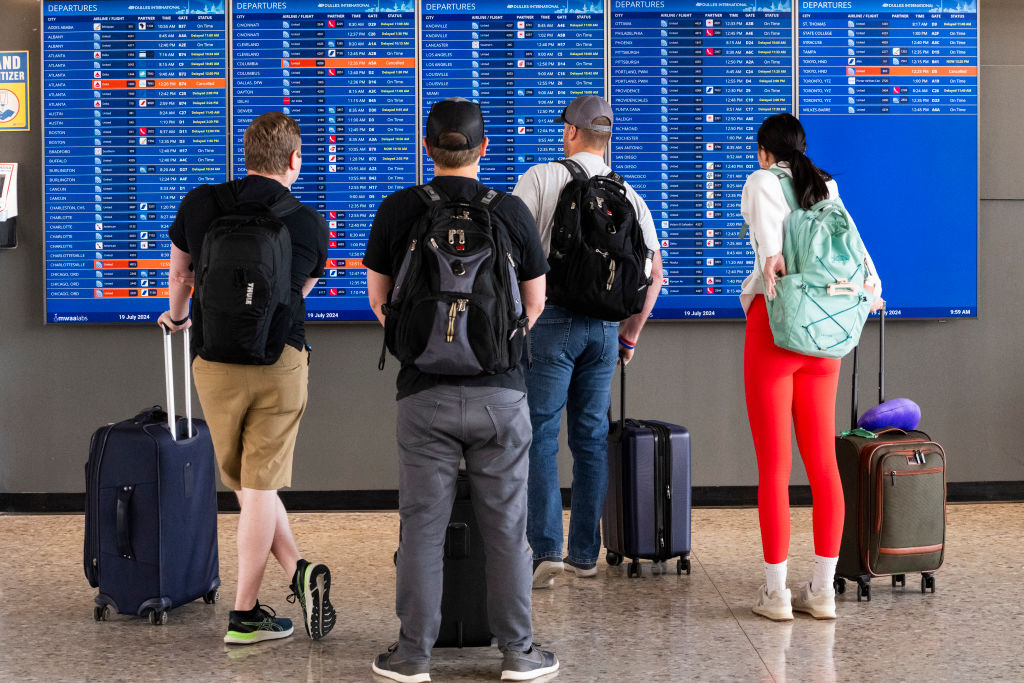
x=775 y=576
x=824 y=572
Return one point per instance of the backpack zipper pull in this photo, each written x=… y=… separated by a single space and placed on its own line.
x=611 y=275
x=458 y=306
x=451 y=323
x=451 y=236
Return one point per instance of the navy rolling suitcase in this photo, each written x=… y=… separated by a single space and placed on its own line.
x=151 y=510
x=647 y=507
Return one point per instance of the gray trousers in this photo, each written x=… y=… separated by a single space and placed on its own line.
x=490 y=428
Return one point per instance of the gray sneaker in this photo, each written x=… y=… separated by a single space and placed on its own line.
x=404 y=672
x=526 y=666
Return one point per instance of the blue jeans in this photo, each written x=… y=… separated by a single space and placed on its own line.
x=574 y=359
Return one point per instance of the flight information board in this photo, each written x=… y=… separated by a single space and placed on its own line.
x=523 y=61
x=346 y=72
x=691 y=83
x=134 y=101
x=888 y=94
x=136 y=95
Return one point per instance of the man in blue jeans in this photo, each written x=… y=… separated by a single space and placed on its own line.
x=574 y=357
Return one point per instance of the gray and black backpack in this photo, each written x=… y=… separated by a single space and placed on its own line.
x=455 y=307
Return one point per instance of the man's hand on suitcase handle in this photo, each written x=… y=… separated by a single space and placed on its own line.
x=168 y=323
x=626 y=350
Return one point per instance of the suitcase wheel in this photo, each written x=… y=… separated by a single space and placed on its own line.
x=839 y=584
x=633 y=569
x=101 y=612
x=613 y=559
x=158 y=617
x=899 y=580
x=927 y=582
x=864 y=589
x=683 y=564
x=212 y=597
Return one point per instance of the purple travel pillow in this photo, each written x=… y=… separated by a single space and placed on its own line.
x=897 y=412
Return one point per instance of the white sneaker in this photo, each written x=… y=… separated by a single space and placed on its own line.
x=820 y=605
x=545 y=571
x=776 y=606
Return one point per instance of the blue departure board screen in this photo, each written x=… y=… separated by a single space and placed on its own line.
x=691 y=83
x=523 y=61
x=134 y=102
x=143 y=101
x=888 y=94
x=348 y=77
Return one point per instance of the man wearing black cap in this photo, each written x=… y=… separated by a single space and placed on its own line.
x=443 y=418
x=574 y=358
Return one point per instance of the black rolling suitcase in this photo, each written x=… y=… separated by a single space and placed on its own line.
x=464 y=597
x=151 y=510
x=894 y=484
x=464 y=601
x=647 y=507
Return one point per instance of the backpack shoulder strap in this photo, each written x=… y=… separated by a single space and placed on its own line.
x=430 y=194
x=224 y=194
x=787 y=188
x=577 y=172
x=487 y=199
x=285 y=206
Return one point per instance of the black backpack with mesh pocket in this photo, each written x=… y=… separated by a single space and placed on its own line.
x=455 y=307
x=600 y=265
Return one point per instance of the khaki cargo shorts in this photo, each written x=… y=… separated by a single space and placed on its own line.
x=253 y=412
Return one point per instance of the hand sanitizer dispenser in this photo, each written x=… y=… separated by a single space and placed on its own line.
x=8 y=205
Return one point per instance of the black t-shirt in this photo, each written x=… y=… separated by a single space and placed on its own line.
x=389 y=239
x=307 y=228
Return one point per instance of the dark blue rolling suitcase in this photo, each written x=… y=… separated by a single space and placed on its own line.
x=647 y=507
x=151 y=510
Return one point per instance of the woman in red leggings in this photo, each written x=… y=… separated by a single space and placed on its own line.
x=784 y=388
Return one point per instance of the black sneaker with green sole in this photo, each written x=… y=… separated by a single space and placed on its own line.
x=311 y=586
x=260 y=623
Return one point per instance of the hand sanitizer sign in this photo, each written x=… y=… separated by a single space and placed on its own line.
x=14 y=91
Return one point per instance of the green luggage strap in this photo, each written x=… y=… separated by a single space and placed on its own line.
x=859 y=431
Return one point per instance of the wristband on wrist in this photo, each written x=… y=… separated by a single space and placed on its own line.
x=180 y=322
x=626 y=344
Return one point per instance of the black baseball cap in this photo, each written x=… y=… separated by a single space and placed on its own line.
x=455 y=115
x=582 y=111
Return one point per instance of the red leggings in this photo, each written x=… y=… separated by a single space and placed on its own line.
x=780 y=383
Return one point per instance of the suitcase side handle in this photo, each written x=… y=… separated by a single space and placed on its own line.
x=169 y=382
x=124 y=521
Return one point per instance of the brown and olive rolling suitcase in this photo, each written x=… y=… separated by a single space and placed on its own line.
x=894 y=483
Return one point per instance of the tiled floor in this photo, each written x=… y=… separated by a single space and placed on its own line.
x=656 y=628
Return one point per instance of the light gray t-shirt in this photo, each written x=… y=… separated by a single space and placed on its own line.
x=541 y=185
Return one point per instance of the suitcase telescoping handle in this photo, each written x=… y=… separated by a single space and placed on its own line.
x=169 y=382
x=881 y=369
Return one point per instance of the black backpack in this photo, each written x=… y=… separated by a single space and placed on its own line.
x=455 y=307
x=599 y=261
x=244 y=281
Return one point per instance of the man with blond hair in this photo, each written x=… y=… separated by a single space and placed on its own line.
x=253 y=407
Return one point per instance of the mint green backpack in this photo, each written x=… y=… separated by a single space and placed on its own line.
x=820 y=305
